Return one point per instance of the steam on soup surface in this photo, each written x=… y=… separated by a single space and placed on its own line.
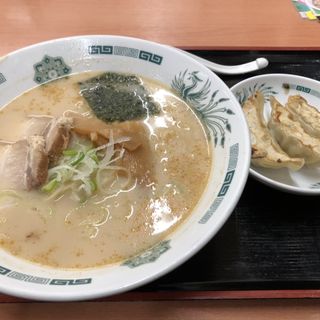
x=80 y=191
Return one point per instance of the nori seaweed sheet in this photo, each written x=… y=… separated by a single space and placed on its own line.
x=118 y=97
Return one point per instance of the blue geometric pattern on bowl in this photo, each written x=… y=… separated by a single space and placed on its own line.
x=50 y=68
x=315 y=185
x=148 y=256
x=41 y=280
x=2 y=78
x=298 y=87
x=232 y=165
x=70 y=282
x=210 y=109
x=126 y=51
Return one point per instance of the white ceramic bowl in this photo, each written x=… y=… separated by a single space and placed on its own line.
x=31 y=66
x=306 y=181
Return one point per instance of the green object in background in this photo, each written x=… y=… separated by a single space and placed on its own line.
x=305 y=10
x=301 y=7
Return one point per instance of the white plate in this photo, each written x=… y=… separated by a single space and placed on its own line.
x=306 y=180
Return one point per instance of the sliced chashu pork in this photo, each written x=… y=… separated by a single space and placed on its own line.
x=36 y=125
x=266 y=152
x=56 y=132
x=57 y=136
x=137 y=157
x=24 y=164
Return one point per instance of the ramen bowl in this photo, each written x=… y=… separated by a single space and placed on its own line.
x=209 y=98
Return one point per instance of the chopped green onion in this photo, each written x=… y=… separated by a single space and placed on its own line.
x=70 y=152
x=78 y=169
x=93 y=185
x=78 y=159
x=94 y=157
x=50 y=186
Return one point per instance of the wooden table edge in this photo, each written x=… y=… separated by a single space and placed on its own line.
x=192 y=295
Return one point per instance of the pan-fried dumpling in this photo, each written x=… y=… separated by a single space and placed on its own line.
x=307 y=115
x=265 y=150
x=291 y=135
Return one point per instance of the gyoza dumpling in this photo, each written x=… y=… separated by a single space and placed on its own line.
x=307 y=115
x=291 y=136
x=265 y=150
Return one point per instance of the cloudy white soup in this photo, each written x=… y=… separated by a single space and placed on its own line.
x=96 y=168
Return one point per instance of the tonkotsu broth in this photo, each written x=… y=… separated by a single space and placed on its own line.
x=66 y=234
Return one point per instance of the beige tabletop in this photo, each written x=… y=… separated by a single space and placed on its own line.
x=188 y=24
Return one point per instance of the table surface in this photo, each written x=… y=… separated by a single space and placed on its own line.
x=189 y=24
x=242 y=25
